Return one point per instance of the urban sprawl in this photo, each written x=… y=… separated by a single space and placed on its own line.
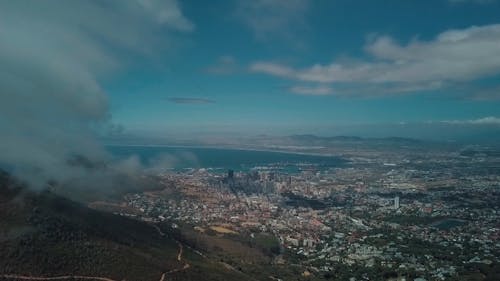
x=433 y=215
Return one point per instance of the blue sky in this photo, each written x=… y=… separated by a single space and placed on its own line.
x=73 y=72
x=322 y=67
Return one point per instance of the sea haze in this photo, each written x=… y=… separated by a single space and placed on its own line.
x=204 y=157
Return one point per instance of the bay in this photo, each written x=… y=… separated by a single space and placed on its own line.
x=227 y=158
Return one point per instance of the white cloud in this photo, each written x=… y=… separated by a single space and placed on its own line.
x=484 y=93
x=54 y=56
x=167 y=12
x=480 y=121
x=454 y=56
x=313 y=91
x=224 y=65
x=273 y=69
x=270 y=18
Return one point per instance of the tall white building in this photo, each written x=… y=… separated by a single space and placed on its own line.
x=396 y=202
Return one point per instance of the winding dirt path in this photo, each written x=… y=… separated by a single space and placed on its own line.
x=65 y=277
x=179 y=256
x=97 y=278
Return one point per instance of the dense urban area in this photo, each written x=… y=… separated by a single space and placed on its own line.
x=398 y=216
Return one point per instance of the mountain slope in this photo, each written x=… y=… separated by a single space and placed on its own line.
x=44 y=235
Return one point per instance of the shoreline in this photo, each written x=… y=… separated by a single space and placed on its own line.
x=229 y=148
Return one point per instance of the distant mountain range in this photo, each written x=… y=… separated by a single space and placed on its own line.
x=303 y=139
x=320 y=144
x=300 y=143
x=313 y=138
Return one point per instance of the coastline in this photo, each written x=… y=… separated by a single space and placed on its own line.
x=257 y=149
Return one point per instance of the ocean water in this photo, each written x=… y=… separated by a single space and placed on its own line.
x=237 y=159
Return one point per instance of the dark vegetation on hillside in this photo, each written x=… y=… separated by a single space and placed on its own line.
x=42 y=234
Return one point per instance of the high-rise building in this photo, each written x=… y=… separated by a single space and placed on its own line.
x=396 y=202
